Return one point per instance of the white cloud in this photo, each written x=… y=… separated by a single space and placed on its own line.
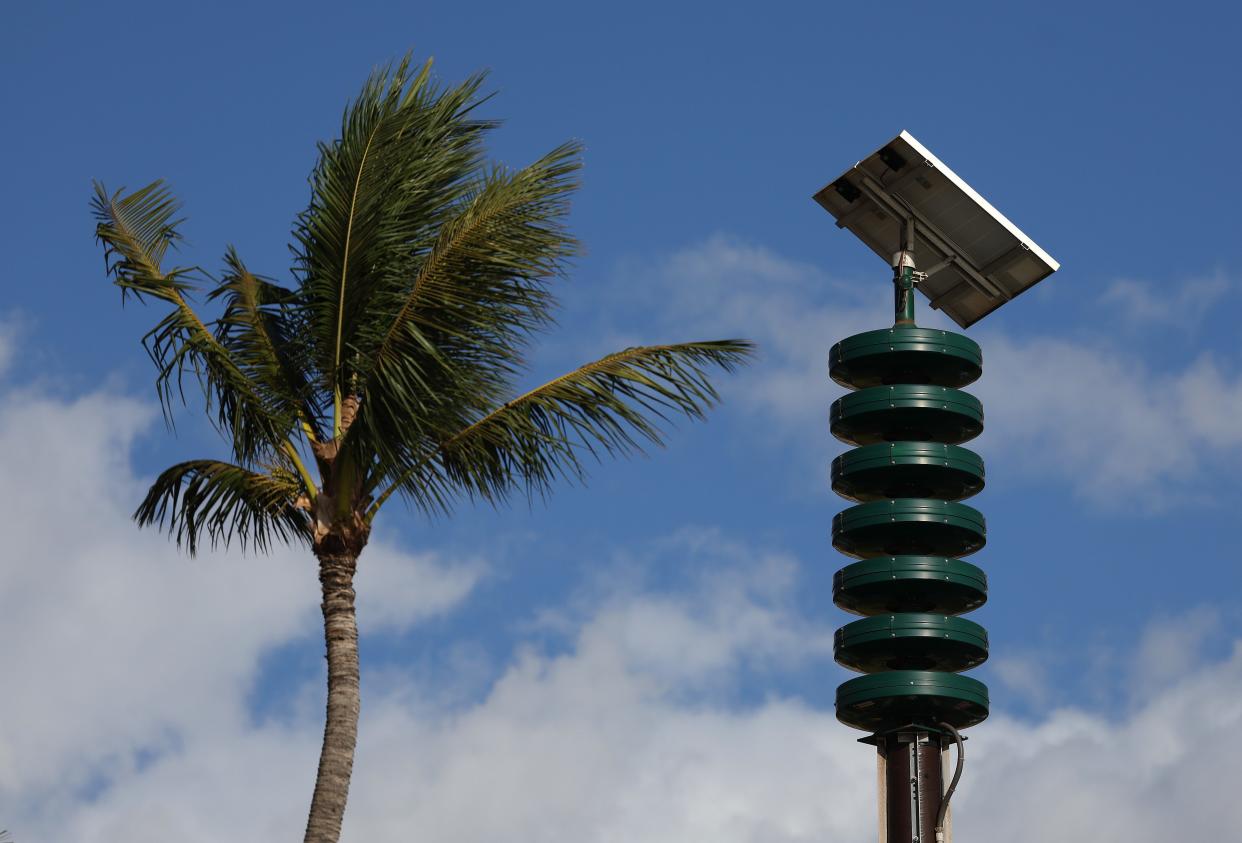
x=739 y=614
x=1170 y=648
x=127 y=670
x=600 y=744
x=1023 y=674
x=1143 y=304
x=1161 y=773
x=397 y=589
x=119 y=649
x=1117 y=431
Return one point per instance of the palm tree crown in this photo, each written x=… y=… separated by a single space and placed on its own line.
x=390 y=366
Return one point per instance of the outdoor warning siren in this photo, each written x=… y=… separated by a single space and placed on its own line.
x=973 y=258
x=907 y=474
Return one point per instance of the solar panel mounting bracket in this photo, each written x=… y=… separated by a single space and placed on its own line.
x=901 y=198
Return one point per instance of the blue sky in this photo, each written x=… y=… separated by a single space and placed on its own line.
x=649 y=656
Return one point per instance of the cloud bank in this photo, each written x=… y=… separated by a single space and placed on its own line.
x=127 y=673
x=120 y=652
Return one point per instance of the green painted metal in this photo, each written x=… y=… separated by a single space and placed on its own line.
x=918 y=412
x=908 y=476
x=911 y=641
x=908 y=470
x=903 y=296
x=909 y=527
x=888 y=584
x=905 y=354
x=885 y=701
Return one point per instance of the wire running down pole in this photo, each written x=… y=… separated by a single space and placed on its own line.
x=957 y=776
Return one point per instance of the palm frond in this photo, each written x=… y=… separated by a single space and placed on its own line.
x=612 y=406
x=224 y=503
x=455 y=331
x=378 y=195
x=421 y=275
x=136 y=230
x=263 y=330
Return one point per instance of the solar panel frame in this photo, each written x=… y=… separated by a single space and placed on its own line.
x=976 y=259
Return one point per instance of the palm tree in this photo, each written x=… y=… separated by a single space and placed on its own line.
x=389 y=367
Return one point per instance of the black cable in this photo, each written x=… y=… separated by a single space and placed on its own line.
x=957 y=774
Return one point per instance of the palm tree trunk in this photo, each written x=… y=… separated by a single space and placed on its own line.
x=340 y=732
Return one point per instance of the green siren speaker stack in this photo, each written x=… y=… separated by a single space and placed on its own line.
x=908 y=474
x=908 y=527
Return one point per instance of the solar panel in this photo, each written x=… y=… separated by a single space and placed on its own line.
x=975 y=258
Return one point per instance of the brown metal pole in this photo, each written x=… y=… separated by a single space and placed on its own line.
x=914 y=785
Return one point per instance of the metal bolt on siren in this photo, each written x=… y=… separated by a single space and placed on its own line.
x=908 y=417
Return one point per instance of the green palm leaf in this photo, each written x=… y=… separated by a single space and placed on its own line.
x=453 y=335
x=263 y=330
x=225 y=502
x=136 y=231
x=378 y=195
x=610 y=406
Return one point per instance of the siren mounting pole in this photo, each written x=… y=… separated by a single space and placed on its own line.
x=904 y=276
